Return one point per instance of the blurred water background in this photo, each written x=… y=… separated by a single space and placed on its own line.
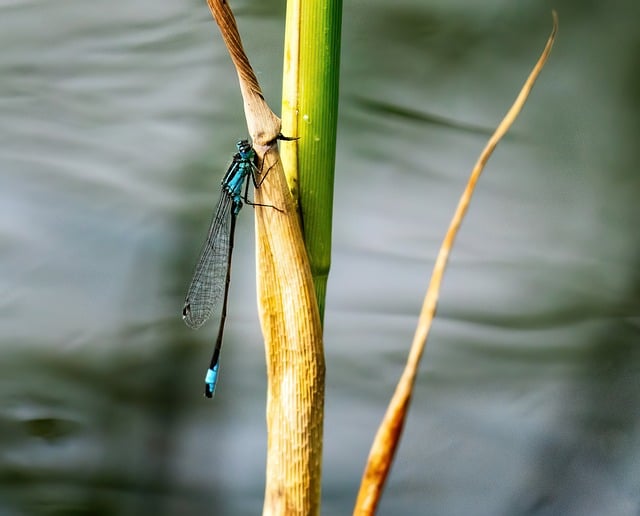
x=117 y=122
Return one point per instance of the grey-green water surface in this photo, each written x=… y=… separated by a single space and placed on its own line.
x=117 y=121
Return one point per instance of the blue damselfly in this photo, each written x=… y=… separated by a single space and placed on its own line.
x=209 y=287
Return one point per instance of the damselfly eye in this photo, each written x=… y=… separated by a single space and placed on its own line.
x=243 y=147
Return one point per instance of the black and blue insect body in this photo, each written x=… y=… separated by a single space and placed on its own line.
x=209 y=287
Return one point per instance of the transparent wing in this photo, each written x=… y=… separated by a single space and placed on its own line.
x=207 y=286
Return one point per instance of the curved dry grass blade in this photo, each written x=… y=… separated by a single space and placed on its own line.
x=291 y=325
x=288 y=309
x=263 y=124
x=388 y=435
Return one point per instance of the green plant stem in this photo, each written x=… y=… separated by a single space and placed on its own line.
x=310 y=112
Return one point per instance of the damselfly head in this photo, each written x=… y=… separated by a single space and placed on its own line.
x=244 y=149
